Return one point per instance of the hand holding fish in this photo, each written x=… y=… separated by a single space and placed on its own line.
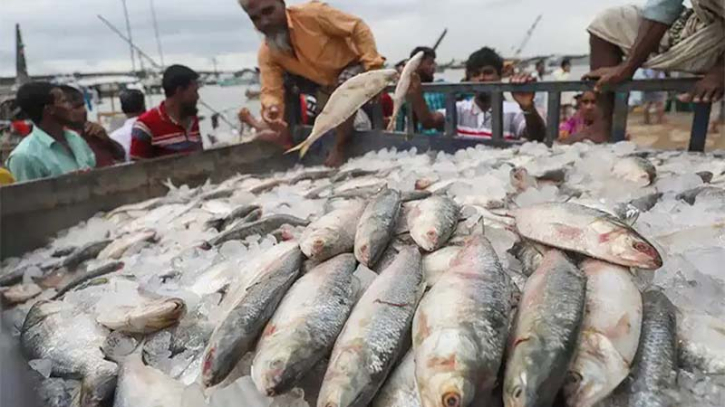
x=524 y=99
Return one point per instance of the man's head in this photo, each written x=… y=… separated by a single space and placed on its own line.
x=484 y=65
x=78 y=113
x=566 y=65
x=427 y=67
x=44 y=102
x=133 y=102
x=541 y=67
x=181 y=85
x=270 y=18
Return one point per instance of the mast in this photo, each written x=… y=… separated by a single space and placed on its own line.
x=156 y=32
x=130 y=37
x=21 y=65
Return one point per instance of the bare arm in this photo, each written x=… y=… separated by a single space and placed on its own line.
x=428 y=119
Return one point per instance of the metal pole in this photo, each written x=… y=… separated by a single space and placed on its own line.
x=156 y=32
x=130 y=37
x=440 y=39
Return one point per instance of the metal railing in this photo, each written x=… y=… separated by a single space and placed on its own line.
x=452 y=91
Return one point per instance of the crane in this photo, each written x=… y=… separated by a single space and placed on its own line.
x=529 y=33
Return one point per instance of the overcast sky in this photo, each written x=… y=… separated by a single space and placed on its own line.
x=66 y=36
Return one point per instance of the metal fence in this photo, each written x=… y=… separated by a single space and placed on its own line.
x=452 y=91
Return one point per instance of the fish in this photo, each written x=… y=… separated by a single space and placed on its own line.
x=332 y=234
x=88 y=276
x=545 y=334
x=376 y=226
x=433 y=221
x=410 y=196
x=400 y=389
x=13 y=277
x=635 y=169
x=71 y=340
x=460 y=329
x=20 y=293
x=521 y=180
x=437 y=263
x=145 y=318
x=266 y=186
x=610 y=334
x=261 y=227
x=251 y=307
x=119 y=246
x=401 y=89
x=701 y=342
x=706 y=192
x=627 y=213
x=347 y=99
x=312 y=175
x=359 y=193
x=64 y=251
x=351 y=173
x=305 y=325
x=374 y=335
x=529 y=254
x=588 y=231
x=86 y=252
x=655 y=365
x=144 y=386
x=242 y=212
x=55 y=392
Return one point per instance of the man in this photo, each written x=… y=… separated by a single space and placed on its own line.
x=51 y=149
x=520 y=119
x=563 y=73
x=316 y=42
x=542 y=98
x=663 y=36
x=107 y=151
x=435 y=101
x=173 y=126
x=133 y=105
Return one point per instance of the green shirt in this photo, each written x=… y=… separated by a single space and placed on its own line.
x=40 y=156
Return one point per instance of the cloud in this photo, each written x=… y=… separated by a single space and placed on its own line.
x=62 y=37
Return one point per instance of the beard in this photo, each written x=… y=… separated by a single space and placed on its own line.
x=188 y=110
x=279 y=41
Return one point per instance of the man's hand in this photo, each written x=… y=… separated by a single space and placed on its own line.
x=611 y=75
x=95 y=130
x=271 y=114
x=524 y=99
x=709 y=89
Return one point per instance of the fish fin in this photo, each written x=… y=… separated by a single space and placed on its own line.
x=393 y=118
x=298 y=147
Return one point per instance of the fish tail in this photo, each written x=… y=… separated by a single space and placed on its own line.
x=393 y=119
x=298 y=147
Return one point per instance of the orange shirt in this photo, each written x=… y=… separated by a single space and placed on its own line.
x=325 y=41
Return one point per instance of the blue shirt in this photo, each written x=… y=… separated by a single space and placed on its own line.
x=663 y=11
x=41 y=156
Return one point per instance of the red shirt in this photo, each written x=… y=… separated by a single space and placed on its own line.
x=156 y=134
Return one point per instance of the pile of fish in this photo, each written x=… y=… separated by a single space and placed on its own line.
x=531 y=276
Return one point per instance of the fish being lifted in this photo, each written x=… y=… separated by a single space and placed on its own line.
x=588 y=231
x=345 y=101
x=401 y=90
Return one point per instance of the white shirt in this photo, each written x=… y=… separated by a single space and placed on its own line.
x=123 y=136
x=475 y=123
x=567 y=98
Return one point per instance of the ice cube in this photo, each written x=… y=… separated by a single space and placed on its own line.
x=232 y=249
x=533 y=196
x=42 y=366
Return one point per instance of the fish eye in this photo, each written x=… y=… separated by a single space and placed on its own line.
x=518 y=392
x=451 y=400
x=641 y=247
x=574 y=378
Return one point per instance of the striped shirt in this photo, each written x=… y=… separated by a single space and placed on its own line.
x=156 y=134
x=475 y=123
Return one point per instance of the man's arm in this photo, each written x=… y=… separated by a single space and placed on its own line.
x=272 y=92
x=141 y=147
x=427 y=118
x=535 y=129
x=337 y=23
x=96 y=130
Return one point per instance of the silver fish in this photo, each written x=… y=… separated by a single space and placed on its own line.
x=376 y=227
x=242 y=212
x=305 y=325
x=400 y=389
x=87 y=252
x=312 y=175
x=545 y=334
x=438 y=263
x=410 y=196
x=374 y=335
x=610 y=334
x=433 y=221
x=251 y=307
x=71 y=340
x=351 y=173
x=332 y=234
x=146 y=318
x=261 y=227
x=118 y=248
x=88 y=276
x=635 y=169
x=587 y=231
x=460 y=329
x=655 y=365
